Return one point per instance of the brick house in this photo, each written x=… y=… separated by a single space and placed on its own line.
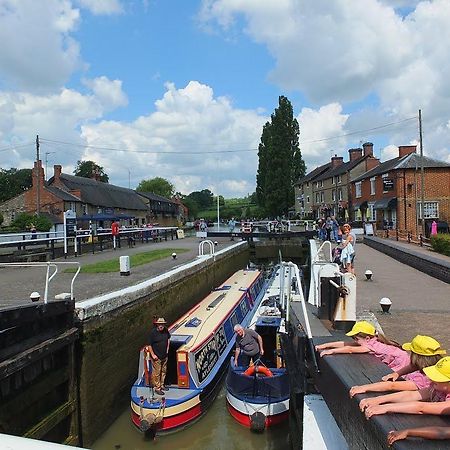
x=389 y=195
x=328 y=187
x=89 y=198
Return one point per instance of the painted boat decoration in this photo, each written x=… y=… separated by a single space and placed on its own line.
x=200 y=345
x=258 y=396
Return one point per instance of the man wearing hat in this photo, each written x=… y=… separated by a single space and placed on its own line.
x=159 y=349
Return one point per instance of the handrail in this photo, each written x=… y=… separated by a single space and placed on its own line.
x=322 y=248
x=305 y=314
x=201 y=247
x=48 y=278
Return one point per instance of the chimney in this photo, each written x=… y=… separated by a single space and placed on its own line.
x=336 y=161
x=371 y=163
x=368 y=149
x=38 y=171
x=404 y=150
x=57 y=169
x=355 y=153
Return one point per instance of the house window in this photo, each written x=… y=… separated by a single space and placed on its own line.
x=340 y=194
x=372 y=186
x=307 y=184
x=307 y=199
x=431 y=210
x=72 y=206
x=84 y=208
x=358 y=189
x=339 y=179
x=333 y=179
x=322 y=197
x=333 y=195
x=317 y=197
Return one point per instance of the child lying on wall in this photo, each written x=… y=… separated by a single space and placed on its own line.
x=432 y=400
x=424 y=352
x=367 y=340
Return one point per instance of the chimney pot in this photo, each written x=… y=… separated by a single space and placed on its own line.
x=336 y=161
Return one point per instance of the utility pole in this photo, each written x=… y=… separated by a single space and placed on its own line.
x=38 y=179
x=422 y=177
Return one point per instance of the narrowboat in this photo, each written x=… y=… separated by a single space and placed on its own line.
x=258 y=395
x=200 y=345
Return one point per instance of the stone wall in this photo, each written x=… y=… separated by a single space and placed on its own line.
x=112 y=336
x=435 y=267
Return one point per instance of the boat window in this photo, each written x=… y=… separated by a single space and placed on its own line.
x=216 y=301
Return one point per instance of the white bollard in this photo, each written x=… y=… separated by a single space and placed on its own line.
x=124 y=265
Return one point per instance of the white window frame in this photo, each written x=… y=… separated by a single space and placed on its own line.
x=358 y=190
x=317 y=197
x=340 y=194
x=372 y=212
x=333 y=195
x=322 y=197
x=339 y=179
x=431 y=209
x=372 y=185
x=307 y=199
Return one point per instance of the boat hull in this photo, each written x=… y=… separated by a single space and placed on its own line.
x=275 y=412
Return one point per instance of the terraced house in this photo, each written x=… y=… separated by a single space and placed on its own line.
x=325 y=191
x=389 y=195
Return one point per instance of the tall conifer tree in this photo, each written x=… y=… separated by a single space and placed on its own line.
x=280 y=161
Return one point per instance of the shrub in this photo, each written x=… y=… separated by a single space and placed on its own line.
x=24 y=222
x=441 y=243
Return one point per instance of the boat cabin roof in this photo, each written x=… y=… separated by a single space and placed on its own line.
x=197 y=325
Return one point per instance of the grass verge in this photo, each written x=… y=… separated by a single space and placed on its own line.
x=112 y=265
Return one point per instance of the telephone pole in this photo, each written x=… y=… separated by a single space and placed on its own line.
x=422 y=178
x=38 y=179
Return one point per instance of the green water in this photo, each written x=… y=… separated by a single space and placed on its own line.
x=216 y=430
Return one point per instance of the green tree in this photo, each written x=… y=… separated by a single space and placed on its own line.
x=90 y=169
x=24 y=221
x=191 y=205
x=204 y=198
x=13 y=182
x=157 y=185
x=280 y=161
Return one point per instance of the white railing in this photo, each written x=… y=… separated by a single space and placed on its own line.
x=201 y=248
x=49 y=276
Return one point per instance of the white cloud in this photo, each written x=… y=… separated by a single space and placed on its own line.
x=352 y=50
x=189 y=120
x=38 y=53
x=108 y=92
x=318 y=125
x=100 y=7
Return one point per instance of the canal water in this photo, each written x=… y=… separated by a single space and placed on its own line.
x=216 y=430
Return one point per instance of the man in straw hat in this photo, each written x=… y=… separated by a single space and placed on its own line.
x=159 y=349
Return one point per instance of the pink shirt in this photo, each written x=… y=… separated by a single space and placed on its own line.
x=419 y=379
x=437 y=396
x=394 y=357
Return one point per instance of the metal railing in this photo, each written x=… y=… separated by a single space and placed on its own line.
x=49 y=276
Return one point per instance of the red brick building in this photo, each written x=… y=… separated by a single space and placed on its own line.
x=389 y=195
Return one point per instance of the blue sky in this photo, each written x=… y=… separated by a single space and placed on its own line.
x=181 y=89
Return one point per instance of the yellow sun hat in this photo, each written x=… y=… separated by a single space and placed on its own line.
x=362 y=327
x=424 y=345
x=440 y=372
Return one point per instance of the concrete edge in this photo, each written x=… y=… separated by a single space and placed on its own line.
x=102 y=304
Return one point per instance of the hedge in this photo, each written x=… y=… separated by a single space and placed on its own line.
x=441 y=243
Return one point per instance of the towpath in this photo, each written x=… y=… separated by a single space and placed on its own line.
x=17 y=283
x=420 y=303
